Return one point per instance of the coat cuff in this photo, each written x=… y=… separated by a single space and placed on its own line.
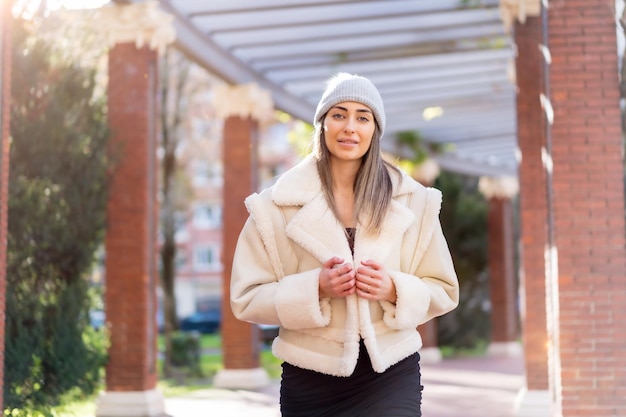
x=298 y=304
x=411 y=307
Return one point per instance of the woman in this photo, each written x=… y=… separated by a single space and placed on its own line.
x=346 y=254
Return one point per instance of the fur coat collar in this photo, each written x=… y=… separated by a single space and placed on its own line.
x=316 y=228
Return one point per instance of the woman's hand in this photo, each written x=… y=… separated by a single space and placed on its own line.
x=373 y=282
x=337 y=279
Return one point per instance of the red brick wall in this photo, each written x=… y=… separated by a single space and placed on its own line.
x=502 y=282
x=240 y=341
x=5 y=95
x=533 y=201
x=428 y=332
x=588 y=207
x=131 y=279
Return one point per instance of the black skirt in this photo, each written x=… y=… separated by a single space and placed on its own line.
x=397 y=392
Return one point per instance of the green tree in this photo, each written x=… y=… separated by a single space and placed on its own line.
x=464 y=223
x=57 y=203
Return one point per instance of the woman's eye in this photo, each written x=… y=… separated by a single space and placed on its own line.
x=364 y=119
x=337 y=116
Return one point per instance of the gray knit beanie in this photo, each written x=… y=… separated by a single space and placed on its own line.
x=350 y=87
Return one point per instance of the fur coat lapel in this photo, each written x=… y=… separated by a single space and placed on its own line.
x=315 y=228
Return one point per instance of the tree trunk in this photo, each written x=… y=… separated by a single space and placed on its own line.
x=170 y=321
x=173 y=108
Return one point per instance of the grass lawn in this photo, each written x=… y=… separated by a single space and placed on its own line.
x=207 y=341
x=210 y=364
x=479 y=349
x=85 y=408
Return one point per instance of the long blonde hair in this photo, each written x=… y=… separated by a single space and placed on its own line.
x=372 y=188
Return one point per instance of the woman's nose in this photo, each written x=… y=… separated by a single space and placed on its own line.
x=349 y=127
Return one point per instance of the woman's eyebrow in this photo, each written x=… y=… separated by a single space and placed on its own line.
x=359 y=110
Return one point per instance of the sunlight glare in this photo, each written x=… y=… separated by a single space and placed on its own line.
x=28 y=8
x=25 y=8
x=431 y=113
x=76 y=4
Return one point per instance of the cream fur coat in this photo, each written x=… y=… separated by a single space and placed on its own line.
x=291 y=231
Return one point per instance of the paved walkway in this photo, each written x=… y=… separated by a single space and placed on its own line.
x=468 y=387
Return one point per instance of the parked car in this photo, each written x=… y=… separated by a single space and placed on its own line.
x=205 y=322
x=97 y=319
x=268 y=333
x=160 y=319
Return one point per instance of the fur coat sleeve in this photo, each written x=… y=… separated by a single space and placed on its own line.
x=291 y=232
x=260 y=290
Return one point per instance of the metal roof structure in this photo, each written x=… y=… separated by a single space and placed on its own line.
x=442 y=66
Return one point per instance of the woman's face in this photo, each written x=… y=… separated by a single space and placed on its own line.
x=348 y=130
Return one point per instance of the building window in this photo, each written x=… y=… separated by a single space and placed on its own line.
x=207 y=173
x=206 y=258
x=207 y=216
x=181 y=259
x=201 y=173
x=181 y=234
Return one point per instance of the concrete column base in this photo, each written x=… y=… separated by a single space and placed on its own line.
x=242 y=378
x=131 y=404
x=533 y=403
x=430 y=355
x=504 y=349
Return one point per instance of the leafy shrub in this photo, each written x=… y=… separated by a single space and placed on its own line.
x=186 y=351
x=57 y=203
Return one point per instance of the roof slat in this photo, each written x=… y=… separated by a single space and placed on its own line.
x=420 y=54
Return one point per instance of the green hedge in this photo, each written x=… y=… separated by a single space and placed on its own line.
x=57 y=203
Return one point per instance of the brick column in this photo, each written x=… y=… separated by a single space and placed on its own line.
x=240 y=340
x=5 y=96
x=429 y=353
x=131 y=279
x=131 y=238
x=503 y=285
x=587 y=289
x=501 y=262
x=534 y=398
